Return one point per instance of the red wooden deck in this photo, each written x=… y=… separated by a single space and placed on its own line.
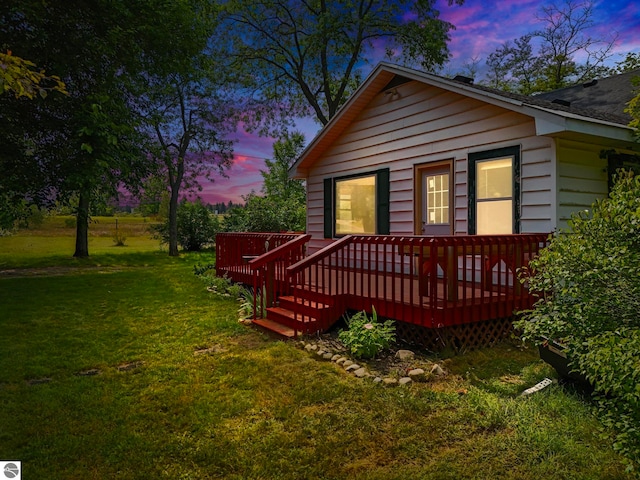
x=433 y=282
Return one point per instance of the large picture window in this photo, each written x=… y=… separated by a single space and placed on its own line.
x=357 y=204
x=494 y=192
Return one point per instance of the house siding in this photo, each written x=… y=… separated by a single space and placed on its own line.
x=422 y=124
x=582 y=178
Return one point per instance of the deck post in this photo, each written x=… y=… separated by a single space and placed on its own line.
x=269 y=283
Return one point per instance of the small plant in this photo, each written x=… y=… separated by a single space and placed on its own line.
x=118 y=237
x=246 y=303
x=199 y=269
x=365 y=337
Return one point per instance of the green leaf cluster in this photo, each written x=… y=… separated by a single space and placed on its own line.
x=365 y=336
x=18 y=76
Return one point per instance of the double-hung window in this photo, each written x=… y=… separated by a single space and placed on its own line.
x=494 y=191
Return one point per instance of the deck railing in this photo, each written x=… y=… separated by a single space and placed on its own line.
x=234 y=251
x=429 y=281
x=269 y=272
x=260 y=260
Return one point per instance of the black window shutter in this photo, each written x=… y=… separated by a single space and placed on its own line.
x=382 y=194
x=328 y=208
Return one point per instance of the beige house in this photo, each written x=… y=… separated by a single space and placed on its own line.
x=425 y=197
x=413 y=153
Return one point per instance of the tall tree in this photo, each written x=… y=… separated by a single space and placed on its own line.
x=283 y=206
x=188 y=111
x=303 y=58
x=521 y=67
x=87 y=143
x=277 y=183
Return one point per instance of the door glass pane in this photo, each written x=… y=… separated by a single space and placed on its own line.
x=356 y=205
x=494 y=179
x=437 y=199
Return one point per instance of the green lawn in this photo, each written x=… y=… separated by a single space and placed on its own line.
x=253 y=407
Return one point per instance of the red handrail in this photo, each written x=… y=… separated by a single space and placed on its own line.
x=315 y=257
x=430 y=281
x=268 y=272
x=278 y=252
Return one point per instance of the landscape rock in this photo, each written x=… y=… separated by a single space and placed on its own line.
x=390 y=381
x=352 y=367
x=404 y=355
x=437 y=370
x=328 y=356
x=361 y=372
x=336 y=357
x=38 y=381
x=417 y=375
x=377 y=380
x=341 y=360
x=347 y=363
x=404 y=380
x=309 y=347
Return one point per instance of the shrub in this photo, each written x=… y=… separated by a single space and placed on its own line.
x=196 y=226
x=589 y=275
x=610 y=360
x=365 y=337
x=590 y=299
x=264 y=214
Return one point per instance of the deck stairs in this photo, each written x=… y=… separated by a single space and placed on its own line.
x=303 y=313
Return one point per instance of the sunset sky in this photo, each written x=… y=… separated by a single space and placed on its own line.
x=481 y=27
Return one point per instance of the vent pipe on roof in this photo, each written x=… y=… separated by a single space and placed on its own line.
x=589 y=84
x=559 y=101
x=463 y=79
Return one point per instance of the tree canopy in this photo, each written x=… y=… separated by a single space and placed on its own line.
x=304 y=58
x=90 y=142
x=547 y=58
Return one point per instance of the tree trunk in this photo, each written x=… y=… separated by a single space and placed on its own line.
x=82 y=225
x=173 y=222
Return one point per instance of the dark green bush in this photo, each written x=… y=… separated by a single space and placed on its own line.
x=590 y=301
x=196 y=226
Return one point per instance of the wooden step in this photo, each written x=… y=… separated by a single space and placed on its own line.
x=316 y=296
x=290 y=319
x=303 y=306
x=274 y=327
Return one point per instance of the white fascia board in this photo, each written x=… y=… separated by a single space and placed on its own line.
x=554 y=125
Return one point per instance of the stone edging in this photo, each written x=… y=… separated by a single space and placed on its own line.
x=322 y=351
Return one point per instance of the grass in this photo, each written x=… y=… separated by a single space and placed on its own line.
x=251 y=407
